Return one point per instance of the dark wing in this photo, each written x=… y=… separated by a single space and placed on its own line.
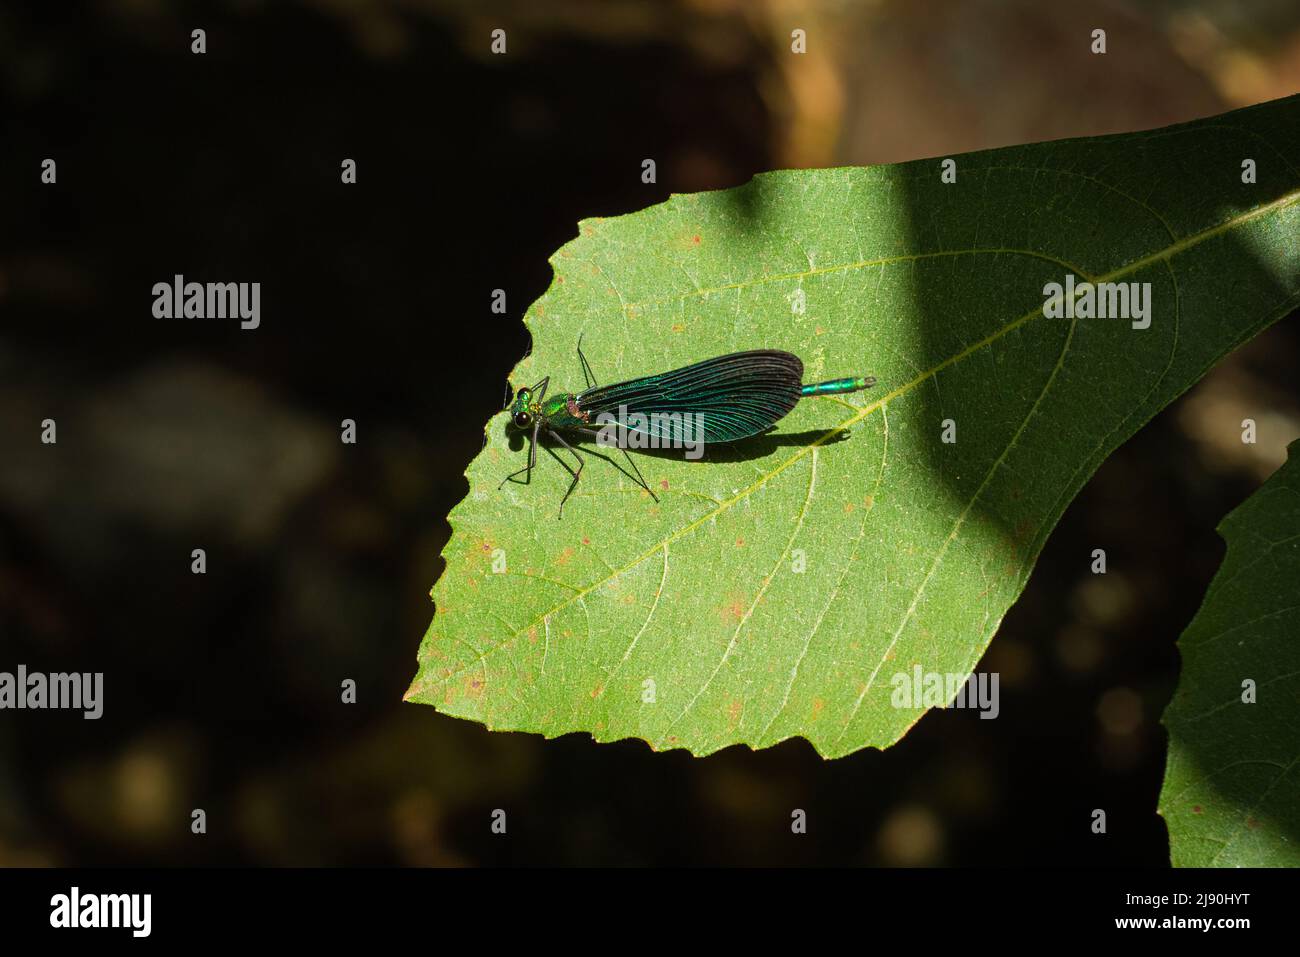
x=735 y=396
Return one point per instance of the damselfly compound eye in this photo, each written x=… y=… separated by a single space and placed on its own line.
x=523 y=420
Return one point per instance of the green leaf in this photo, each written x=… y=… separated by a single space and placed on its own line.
x=1231 y=795
x=689 y=623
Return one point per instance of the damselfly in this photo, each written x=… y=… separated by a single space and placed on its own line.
x=715 y=401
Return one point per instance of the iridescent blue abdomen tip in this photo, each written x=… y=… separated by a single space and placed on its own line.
x=839 y=386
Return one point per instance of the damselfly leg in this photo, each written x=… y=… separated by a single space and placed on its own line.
x=591 y=384
x=581 y=462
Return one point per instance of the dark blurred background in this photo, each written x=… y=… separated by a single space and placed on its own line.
x=222 y=690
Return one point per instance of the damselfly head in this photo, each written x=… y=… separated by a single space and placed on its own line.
x=521 y=412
